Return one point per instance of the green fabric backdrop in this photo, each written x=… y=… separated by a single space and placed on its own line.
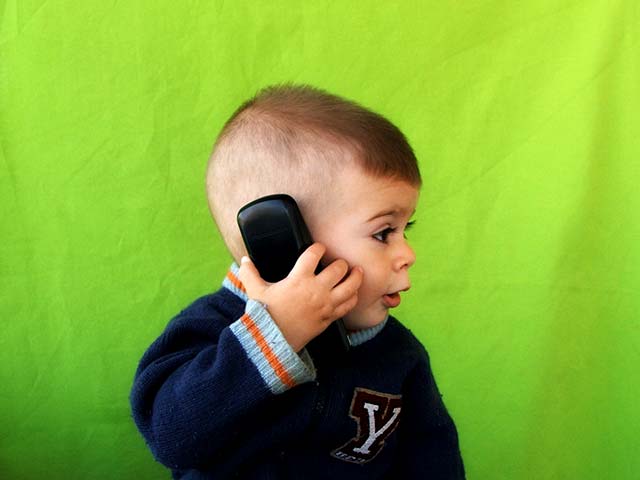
x=526 y=291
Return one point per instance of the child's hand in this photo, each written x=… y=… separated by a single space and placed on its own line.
x=304 y=304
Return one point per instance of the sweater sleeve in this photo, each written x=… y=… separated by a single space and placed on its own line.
x=202 y=379
x=428 y=438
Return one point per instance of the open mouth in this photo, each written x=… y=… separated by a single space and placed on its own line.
x=391 y=300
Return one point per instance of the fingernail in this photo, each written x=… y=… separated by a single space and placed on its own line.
x=244 y=260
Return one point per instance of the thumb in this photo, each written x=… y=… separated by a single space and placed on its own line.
x=250 y=278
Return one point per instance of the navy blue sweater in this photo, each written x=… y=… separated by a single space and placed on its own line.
x=220 y=394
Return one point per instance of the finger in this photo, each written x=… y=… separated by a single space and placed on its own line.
x=309 y=260
x=345 y=307
x=348 y=288
x=249 y=276
x=334 y=273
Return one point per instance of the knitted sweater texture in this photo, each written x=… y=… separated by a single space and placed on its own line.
x=220 y=394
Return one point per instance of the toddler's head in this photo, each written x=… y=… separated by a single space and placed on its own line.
x=299 y=140
x=351 y=171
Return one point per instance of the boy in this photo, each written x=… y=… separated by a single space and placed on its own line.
x=236 y=386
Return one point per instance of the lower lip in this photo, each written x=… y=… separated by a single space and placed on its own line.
x=391 y=301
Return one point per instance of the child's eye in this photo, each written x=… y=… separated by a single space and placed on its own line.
x=384 y=234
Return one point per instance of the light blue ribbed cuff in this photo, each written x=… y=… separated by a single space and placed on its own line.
x=232 y=282
x=279 y=365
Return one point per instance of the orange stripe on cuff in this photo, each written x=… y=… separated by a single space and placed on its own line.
x=236 y=281
x=266 y=350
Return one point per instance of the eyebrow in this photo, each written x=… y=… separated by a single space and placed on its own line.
x=391 y=212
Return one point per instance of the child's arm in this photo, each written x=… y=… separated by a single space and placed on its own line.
x=203 y=393
x=200 y=382
x=428 y=437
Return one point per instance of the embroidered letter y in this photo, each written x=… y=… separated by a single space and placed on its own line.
x=377 y=415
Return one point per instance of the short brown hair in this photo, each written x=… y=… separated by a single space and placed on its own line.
x=292 y=139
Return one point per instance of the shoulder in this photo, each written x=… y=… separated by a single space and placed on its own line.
x=408 y=347
x=215 y=310
x=403 y=338
x=396 y=347
x=223 y=302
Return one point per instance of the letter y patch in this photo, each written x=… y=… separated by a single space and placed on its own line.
x=377 y=415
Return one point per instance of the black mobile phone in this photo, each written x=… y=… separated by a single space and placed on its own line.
x=275 y=235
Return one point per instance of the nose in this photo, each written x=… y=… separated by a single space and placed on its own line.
x=405 y=257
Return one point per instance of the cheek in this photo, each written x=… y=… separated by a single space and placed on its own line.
x=366 y=294
x=339 y=247
x=332 y=239
x=374 y=282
